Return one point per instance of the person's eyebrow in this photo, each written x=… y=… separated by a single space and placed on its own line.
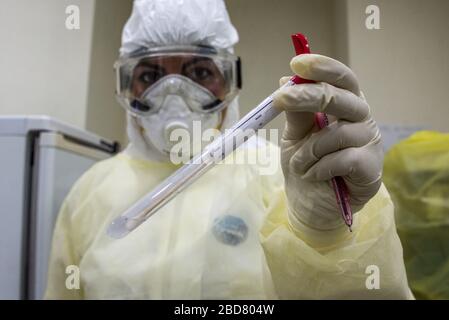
x=193 y=61
x=151 y=65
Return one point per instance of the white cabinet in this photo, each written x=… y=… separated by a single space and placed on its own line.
x=40 y=159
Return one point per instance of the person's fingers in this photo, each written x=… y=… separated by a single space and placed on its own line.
x=359 y=166
x=324 y=69
x=361 y=169
x=322 y=97
x=339 y=135
x=337 y=94
x=298 y=124
x=284 y=80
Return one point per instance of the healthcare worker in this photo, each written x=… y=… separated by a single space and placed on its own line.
x=235 y=233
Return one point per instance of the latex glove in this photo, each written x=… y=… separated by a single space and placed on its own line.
x=349 y=147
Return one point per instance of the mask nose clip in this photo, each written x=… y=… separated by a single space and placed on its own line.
x=196 y=97
x=175 y=105
x=173 y=85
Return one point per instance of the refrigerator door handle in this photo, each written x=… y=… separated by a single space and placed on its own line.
x=57 y=140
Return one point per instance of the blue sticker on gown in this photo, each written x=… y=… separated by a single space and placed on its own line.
x=230 y=230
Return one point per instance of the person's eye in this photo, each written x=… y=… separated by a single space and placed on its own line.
x=200 y=73
x=150 y=77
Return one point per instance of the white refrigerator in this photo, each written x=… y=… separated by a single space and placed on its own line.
x=40 y=160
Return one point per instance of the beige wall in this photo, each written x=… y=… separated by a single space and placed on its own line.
x=104 y=115
x=265 y=46
x=67 y=74
x=44 y=67
x=404 y=67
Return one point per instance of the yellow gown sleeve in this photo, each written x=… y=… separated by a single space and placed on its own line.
x=308 y=264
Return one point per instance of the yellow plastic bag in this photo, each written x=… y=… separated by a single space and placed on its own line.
x=416 y=172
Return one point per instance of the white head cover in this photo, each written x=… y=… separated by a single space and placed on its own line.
x=156 y=23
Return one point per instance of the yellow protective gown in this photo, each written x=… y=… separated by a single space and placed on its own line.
x=225 y=237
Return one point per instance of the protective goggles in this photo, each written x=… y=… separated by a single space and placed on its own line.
x=207 y=77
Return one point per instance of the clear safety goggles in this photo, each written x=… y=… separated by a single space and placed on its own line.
x=210 y=78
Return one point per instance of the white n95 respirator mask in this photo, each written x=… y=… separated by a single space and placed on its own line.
x=178 y=117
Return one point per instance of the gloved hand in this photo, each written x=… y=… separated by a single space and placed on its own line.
x=349 y=147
